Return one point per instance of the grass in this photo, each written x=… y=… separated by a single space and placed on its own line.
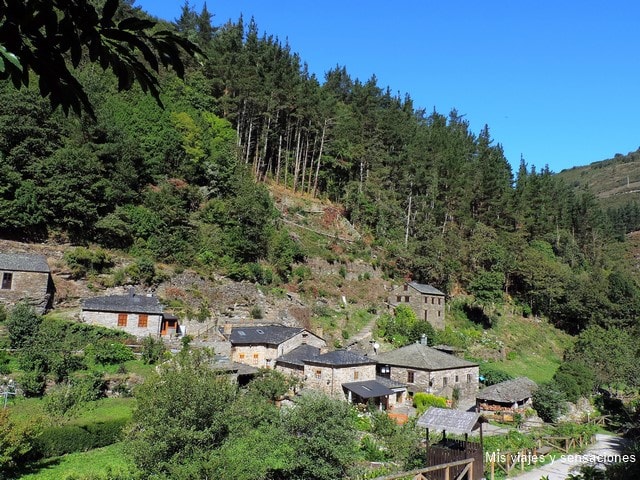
x=100 y=461
x=531 y=347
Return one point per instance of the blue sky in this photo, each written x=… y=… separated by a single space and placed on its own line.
x=558 y=82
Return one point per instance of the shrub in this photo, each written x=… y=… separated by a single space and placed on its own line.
x=256 y=313
x=83 y=260
x=422 y=401
x=549 y=401
x=109 y=353
x=32 y=383
x=4 y=363
x=61 y=440
x=152 y=350
x=490 y=375
x=22 y=325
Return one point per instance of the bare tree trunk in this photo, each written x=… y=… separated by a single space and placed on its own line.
x=304 y=159
x=315 y=181
x=406 y=231
x=279 y=159
x=296 y=169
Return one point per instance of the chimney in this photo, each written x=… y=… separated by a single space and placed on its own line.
x=226 y=329
x=423 y=339
x=132 y=292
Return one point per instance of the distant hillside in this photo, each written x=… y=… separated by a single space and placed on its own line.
x=615 y=181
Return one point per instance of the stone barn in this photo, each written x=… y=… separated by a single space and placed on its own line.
x=26 y=278
x=139 y=315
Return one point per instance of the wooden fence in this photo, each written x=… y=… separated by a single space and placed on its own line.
x=466 y=469
x=508 y=461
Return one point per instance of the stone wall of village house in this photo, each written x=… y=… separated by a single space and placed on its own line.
x=466 y=379
x=264 y=356
x=290 y=371
x=427 y=307
x=302 y=338
x=31 y=287
x=330 y=379
x=254 y=355
x=110 y=320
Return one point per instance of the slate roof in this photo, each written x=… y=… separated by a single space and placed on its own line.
x=340 y=358
x=298 y=355
x=511 y=391
x=452 y=421
x=267 y=334
x=387 y=382
x=422 y=357
x=368 y=389
x=130 y=303
x=425 y=289
x=24 y=262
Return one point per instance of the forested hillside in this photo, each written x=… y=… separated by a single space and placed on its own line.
x=190 y=183
x=616 y=184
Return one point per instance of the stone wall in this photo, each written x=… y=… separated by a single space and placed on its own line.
x=440 y=382
x=110 y=320
x=264 y=356
x=32 y=287
x=329 y=379
x=430 y=308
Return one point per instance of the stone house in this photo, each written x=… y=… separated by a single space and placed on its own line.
x=425 y=369
x=139 y=315
x=260 y=346
x=426 y=301
x=26 y=277
x=510 y=396
x=343 y=373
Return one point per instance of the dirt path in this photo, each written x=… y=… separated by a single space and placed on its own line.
x=562 y=466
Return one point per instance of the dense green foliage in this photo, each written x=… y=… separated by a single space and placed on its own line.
x=191 y=422
x=403 y=327
x=183 y=184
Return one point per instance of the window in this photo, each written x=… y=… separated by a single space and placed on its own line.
x=439 y=313
x=122 y=319
x=426 y=299
x=143 y=320
x=406 y=287
x=7 y=280
x=469 y=376
x=242 y=356
x=355 y=375
x=433 y=301
x=406 y=298
x=444 y=381
x=410 y=376
x=457 y=379
x=439 y=301
x=255 y=358
x=398 y=298
x=318 y=374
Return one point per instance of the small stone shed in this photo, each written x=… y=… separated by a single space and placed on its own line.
x=139 y=315
x=26 y=278
x=510 y=396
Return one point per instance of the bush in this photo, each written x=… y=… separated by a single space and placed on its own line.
x=422 y=401
x=22 y=325
x=490 y=375
x=549 y=401
x=83 y=260
x=109 y=353
x=256 y=313
x=152 y=350
x=56 y=441
x=32 y=383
